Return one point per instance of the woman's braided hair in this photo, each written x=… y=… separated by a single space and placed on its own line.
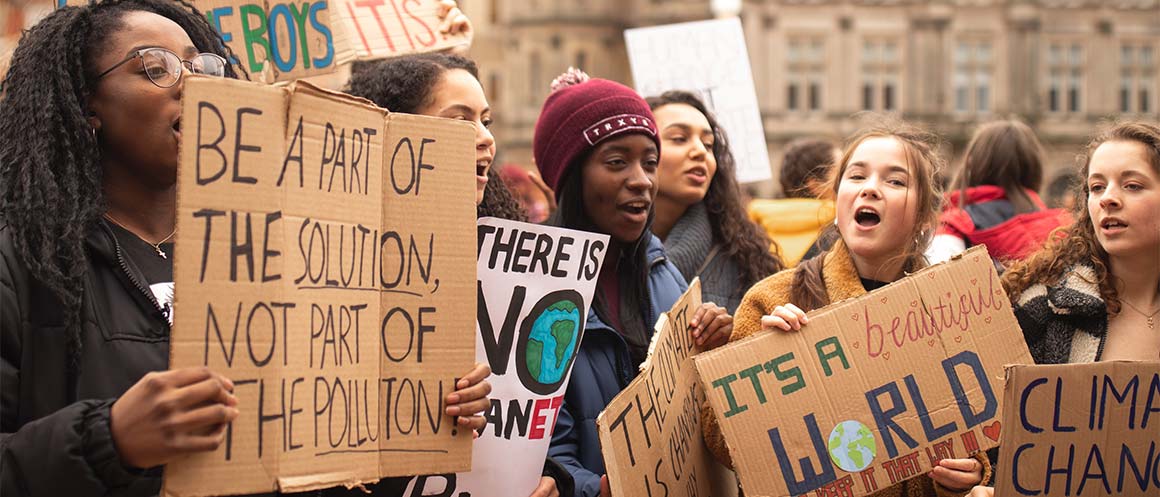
x=50 y=159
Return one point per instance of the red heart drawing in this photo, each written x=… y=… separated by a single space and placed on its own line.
x=857 y=344
x=931 y=342
x=930 y=275
x=959 y=339
x=987 y=319
x=886 y=355
x=854 y=316
x=883 y=300
x=974 y=281
x=992 y=431
x=998 y=292
x=948 y=295
x=975 y=258
x=914 y=303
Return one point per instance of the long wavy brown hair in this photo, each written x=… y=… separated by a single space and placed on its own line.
x=808 y=289
x=1078 y=244
x=738 y=237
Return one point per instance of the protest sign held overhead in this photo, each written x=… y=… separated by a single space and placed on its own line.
x=1081 y=430
x=323 y=264
x=875 y=390
x=650 y=433
x=380 y=29
x=275 y=40
x=708 y=58
x=535 y=287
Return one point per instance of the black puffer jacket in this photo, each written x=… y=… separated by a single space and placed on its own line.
x=56 y=438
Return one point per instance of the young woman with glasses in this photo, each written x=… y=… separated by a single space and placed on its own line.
x=90 y=121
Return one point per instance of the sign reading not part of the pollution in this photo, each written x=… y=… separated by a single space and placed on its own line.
x=1081 y=430
x=324 y=263
x=873 y=391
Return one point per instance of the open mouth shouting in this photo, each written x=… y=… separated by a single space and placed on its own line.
x=481 y=168
x=867 y=218
x=635 y=210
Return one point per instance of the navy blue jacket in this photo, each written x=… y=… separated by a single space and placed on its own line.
x=603 y=368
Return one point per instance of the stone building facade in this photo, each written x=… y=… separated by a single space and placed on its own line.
x=1064 y=66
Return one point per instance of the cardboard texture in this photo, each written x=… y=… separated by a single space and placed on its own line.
x=710 y=59
x=874 y=390
x=650 y=434
x=280 y=40
x=323 y=263
x=1085 y=430
x=535 y=286
x=380 y=29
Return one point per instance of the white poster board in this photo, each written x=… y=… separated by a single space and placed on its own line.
x=708 y=58
x=534 y=290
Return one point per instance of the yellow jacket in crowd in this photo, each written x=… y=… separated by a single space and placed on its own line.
x=792 y=223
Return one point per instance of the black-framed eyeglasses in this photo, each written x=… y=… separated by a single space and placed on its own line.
x=164 y=67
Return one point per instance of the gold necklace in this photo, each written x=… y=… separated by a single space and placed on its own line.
x=1151 y=318
x=156 y=246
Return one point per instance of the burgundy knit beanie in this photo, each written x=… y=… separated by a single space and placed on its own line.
x=580 y=113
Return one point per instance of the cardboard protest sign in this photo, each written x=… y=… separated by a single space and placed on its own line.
x=535 y=288
x=1081 y=429
x=391 y=28
x=874 y=390
x=708 y=58
x=650 y=434
x=323 y=261
x=275 y=40
x=279 y=40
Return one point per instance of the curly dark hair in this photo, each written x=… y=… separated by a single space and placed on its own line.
x=740 y=238
x=50 y=160
x=1078 y=244
x=405 y=84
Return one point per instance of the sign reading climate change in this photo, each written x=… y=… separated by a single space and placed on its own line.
x=323 y=264
x=875 y=391
x=534 y=290
x=1082 y=430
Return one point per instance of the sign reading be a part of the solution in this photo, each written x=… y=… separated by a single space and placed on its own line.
x=1081 y=430
x=324 y=264
x=875 y=390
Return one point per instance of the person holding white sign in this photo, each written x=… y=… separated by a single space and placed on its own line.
x=698 y=210
x=90 y=123
x=448 y=86
x=596 y=145
x=887 y=206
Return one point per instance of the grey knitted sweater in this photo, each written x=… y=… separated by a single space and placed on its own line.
x=688 y=246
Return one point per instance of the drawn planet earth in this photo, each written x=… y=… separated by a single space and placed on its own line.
x=852 y=446
x=552 y=341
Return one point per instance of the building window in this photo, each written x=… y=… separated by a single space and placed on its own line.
x=1066 y=77
x=1137 y=77
x=493 y=88
x=581 y=60
x=881 y=69
x=805 y=66
x=972 y=77
x=536 y=81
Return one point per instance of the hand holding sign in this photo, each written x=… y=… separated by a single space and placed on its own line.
x=170 y=413
x=785 y=318
x=470 y=398
x=957 y=474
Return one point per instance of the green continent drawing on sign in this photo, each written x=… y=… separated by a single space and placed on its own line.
x=852 y=446
x=552 y=341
